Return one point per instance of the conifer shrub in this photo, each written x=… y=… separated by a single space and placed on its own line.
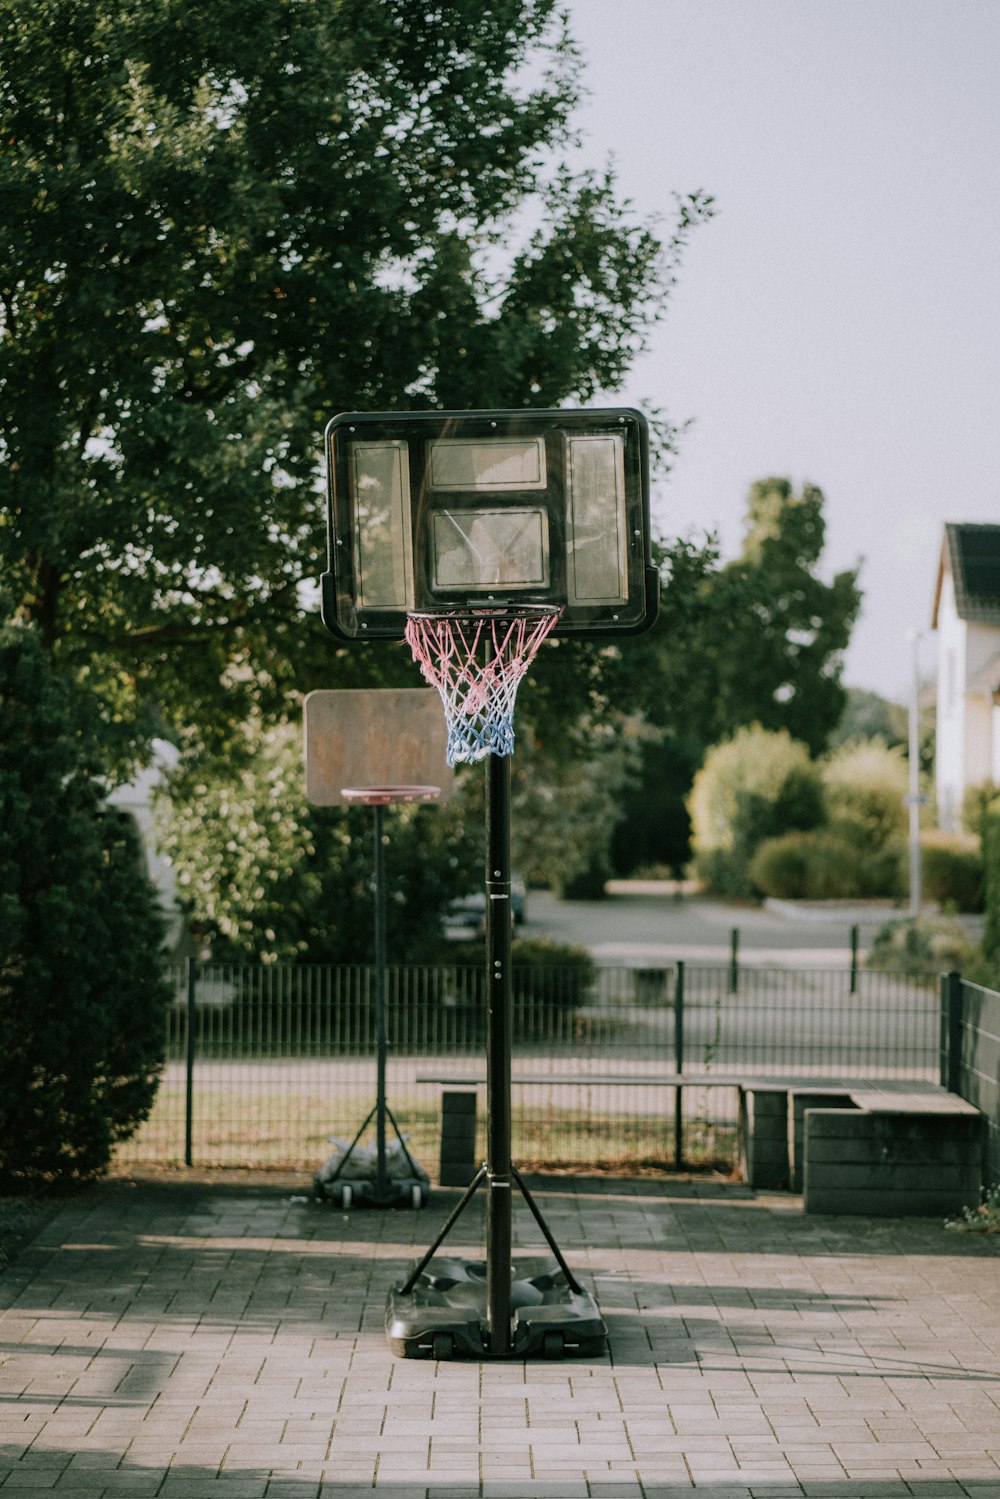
x=82 y=992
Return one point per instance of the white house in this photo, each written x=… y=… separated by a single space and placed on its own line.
x=136 y=799
x=967 y=619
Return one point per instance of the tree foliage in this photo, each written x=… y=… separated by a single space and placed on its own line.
x=221 y=224
x=269 y=878
x=771 y=631
x=82 y=995
x=758 y=640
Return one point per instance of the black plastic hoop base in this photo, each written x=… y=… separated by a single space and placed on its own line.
x=363 y=1191
x=444 y=1315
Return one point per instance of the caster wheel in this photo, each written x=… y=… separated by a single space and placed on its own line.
x=346 y=1195
x=416 y=1196
x=553 y=1345
x=442 y=1346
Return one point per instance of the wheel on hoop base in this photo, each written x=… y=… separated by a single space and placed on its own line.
x=442 y=1346
x=417 y=1196
x=345 y=1195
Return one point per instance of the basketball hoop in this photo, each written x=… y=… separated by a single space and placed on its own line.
x=387 y=796
x=476 y=659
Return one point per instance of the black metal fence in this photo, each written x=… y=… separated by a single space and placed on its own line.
x=970 y=1047
x=264 y=1063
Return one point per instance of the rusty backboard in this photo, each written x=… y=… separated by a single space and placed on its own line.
x=374 y=737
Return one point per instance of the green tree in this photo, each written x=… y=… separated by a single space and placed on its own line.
x=991 y=878
x=220 y=225
x=82 y=995
x=771 y=632
x=271 y=878
x=756 y=640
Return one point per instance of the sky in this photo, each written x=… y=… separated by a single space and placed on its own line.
x=838 y=322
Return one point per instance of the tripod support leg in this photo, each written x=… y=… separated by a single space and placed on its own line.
x=421 y=1265
x=571 y=1279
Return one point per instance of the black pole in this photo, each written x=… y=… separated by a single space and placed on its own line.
x=734 y=960
x=854 y=960
x=192 y=1026
x=952 y=996
x=679 y=1067
x=381 y=1043
x=499 y=991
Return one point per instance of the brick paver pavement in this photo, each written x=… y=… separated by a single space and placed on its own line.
x=212 y=1340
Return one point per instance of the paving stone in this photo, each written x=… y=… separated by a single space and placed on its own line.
x=231 y=1344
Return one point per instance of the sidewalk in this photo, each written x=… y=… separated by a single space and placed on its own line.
x=192 y=1339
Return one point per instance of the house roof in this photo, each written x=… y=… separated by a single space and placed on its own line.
x=971 y=552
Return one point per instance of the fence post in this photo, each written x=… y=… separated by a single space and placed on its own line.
x=854 y=960
x=951 y=1031
x=679 y=1068
x=192 y=983
x=734 y=960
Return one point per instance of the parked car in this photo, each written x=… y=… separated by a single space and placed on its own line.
x=468 y=913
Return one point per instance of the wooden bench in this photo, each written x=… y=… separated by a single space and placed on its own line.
x=880 y=1148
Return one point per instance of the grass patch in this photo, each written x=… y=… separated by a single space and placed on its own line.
x=274 y=1128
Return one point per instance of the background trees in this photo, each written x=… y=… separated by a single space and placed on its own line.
x=273 y=879
x=220 y=226
x=758 y=640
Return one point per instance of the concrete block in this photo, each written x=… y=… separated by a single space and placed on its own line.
x=764 y=1136
x=891 y=1164
x=801 y=1102
x=458 y=1138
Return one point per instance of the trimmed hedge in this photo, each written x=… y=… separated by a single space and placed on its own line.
x=825 y=866
x=952 y=870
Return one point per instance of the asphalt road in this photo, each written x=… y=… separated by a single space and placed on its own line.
x=639 y=922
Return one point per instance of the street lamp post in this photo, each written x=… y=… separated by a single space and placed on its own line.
x=914 y=799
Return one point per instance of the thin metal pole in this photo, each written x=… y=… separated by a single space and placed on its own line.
x=914 y=799
x=499 y=991
x=192 y=1024
x=952 y=997
x=854 y=960
x=381 y=1041
x=679 y=1066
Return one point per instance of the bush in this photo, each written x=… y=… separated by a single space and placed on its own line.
x=82 y=994
x=991 y=886
x=922 y=945
x=865 y=785
x=951 y=870
x=976 y=803
x=824 y=865
x=549 y=982
x=780 y=867
x=757 y=785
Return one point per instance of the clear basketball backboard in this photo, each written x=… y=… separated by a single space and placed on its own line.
x=431 y=510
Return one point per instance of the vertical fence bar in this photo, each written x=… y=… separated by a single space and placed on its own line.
x=734 y=960
x=854 y=960
x=679 y=1065
x=192 y=1021
x=951 y=1032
